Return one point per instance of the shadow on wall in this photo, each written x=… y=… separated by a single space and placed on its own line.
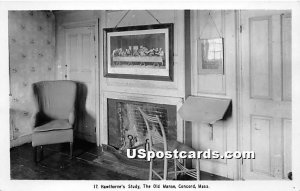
x=85 y=122
x=228 y=112
x=84 y=125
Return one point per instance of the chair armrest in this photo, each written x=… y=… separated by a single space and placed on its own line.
x=72 y=118
x=33 y=120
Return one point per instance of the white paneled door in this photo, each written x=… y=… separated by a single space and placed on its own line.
x=266 y=93
x=81 y=67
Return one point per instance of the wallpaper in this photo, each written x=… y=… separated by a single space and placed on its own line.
x=31 y=59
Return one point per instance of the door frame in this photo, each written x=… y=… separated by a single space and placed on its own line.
x=239 y=90
x=95 y=24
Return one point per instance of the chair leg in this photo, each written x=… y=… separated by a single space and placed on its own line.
x=150 y=169
x=71 y=150
x=175 y=169
x=198 y=168
x=42 y=153
x=35 y=155
x=165 y=168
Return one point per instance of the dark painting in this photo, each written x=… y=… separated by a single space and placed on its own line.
x=126 y=126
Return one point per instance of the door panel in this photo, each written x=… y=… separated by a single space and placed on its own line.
x=81 y=68
x=286 y=58
x=265 y=93
x=260 y=130
x=260 y=57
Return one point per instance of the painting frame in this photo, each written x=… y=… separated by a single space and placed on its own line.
x=156 y=65
x=214 y=67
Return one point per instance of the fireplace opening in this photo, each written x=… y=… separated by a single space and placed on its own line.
x=126 y=126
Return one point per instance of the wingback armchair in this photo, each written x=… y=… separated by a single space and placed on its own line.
x=55 y=114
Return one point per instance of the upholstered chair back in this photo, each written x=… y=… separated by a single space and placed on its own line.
x=56 y=99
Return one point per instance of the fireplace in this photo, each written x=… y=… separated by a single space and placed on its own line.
x=126 y=126
x=111 y=131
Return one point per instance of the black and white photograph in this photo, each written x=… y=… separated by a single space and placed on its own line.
x=211 y=51
x=113 y=98
x=142 y=51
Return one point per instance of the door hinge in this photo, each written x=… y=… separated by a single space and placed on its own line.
x=241 y=28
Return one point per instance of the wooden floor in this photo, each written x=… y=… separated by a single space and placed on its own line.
x=56 y=164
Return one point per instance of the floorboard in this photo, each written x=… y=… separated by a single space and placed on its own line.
x=84 y=165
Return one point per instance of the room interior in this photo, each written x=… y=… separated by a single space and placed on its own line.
x=240 y=101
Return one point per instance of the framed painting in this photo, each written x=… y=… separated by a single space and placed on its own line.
x=211 y=56
x=139 y=52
